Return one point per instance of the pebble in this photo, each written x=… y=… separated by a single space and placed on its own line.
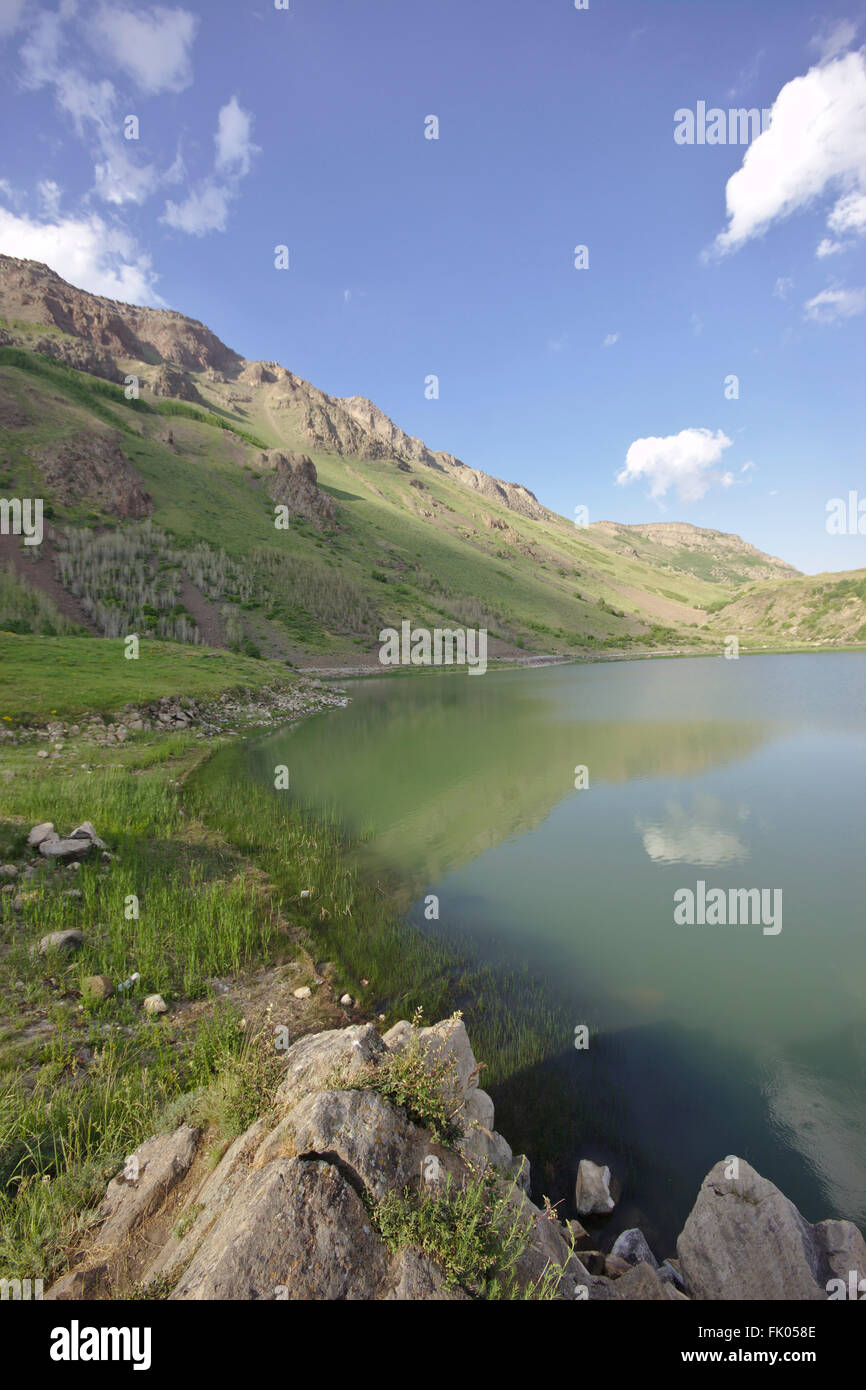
x=303 y=993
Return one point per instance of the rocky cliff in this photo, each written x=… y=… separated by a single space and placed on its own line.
x=376 y=1174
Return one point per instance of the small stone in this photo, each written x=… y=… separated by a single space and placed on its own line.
x=303 y=993
x=40 y=832
x=615 y=1267
x=593 y=1261
x=305 y=892
x=8 y=871
x=68 y=941
x=592 y=1191
x=347 y=1001
x=43 y=753
x=95 y=988
x=155 y=1004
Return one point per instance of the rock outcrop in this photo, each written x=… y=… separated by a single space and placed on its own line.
x=295 y=485
x=745 y=1240
x=91 y=467
x=291 y=1210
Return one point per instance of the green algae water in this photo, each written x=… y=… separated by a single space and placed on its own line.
x=704 y=1040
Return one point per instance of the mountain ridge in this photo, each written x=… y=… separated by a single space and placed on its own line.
x=180 y=479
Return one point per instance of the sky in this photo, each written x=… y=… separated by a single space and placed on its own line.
x=705 y=360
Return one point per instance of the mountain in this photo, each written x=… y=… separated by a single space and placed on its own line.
x=162 y=455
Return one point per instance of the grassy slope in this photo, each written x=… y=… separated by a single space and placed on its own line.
x=41 y=676
x=539 y=584
x=205 y=487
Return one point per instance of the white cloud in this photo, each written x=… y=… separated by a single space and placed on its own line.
x=816 y=143
x=611 y=339
x=849 y=215
x=681 y=461
x=204 y=210
x=86 y=251
x=832 y=305
x=49 y=195
x=92 y=105
x=153 y=46
x=826 y=247
x=234 y=145
x=782 y=286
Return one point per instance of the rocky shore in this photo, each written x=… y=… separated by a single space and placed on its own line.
x=340 y=1191
x=234 y=712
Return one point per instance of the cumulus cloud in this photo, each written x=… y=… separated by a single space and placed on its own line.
x=87 y=251
x=815 y=144
x=833 y=305
x=681 y=461
x=610 y=339
x=204 y=210
x=153 y=46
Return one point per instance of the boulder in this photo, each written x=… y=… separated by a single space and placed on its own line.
x=745 y=1240
x=67 y=850
x=592 y=1190
x=44 y=831
x=85 y=831
x=632 y=1247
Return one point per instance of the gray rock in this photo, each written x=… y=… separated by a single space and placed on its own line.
x=67 y=850
x=85 y=831
x=372 y=1139
x=44 y=831
x=312 y=1059
x=296 y=1230
x=8 y=871
x=745 y=1240
x=632 y=1247
x=592 y=1190
x=642 y=1283
x=416 y=1278
x=68 y=941
x=156 y=1167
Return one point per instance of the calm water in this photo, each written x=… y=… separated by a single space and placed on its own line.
x=705 y=1040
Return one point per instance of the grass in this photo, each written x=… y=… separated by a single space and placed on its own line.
x=66 y=676
x=475 y=1233
x=415 y=1082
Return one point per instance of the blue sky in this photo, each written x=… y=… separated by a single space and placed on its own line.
x=455 y=257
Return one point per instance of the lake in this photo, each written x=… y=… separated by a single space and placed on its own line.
x=703 y=1040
